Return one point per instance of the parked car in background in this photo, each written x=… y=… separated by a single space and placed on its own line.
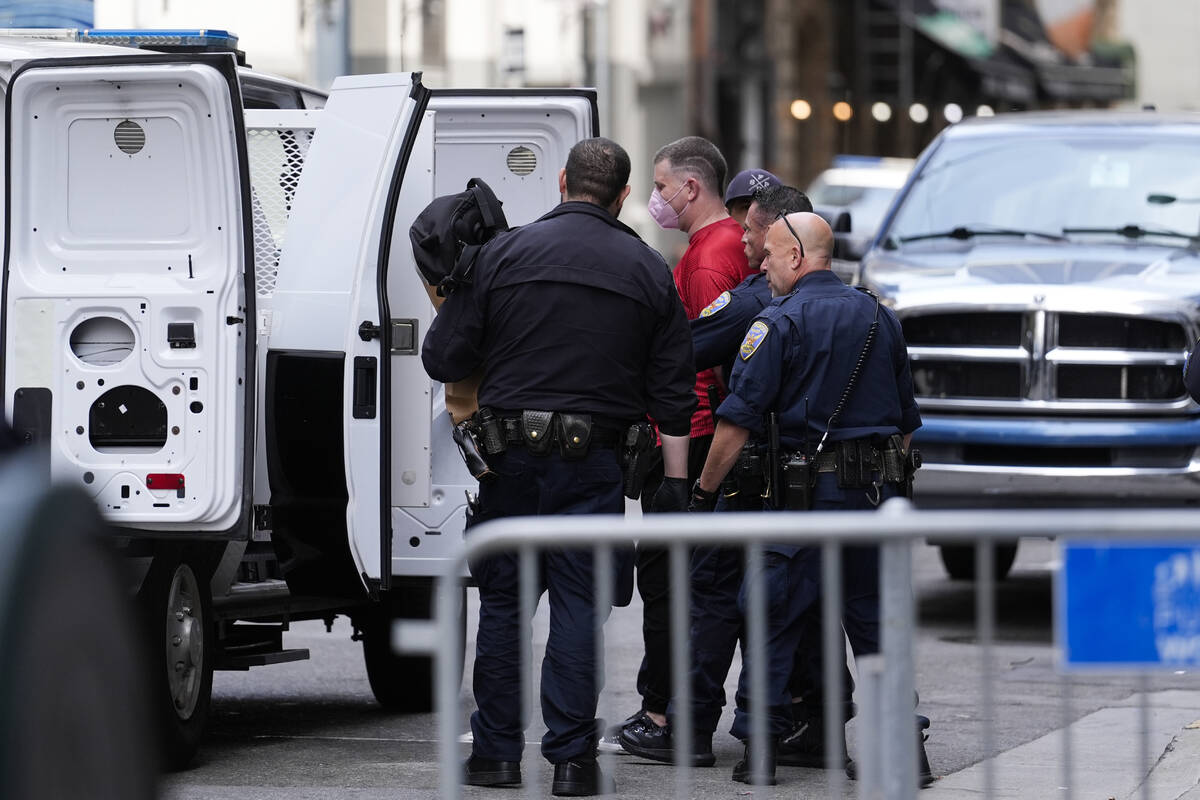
x=864 y=186
x=1046 y=270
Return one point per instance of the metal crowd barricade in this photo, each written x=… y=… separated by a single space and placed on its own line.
x=887 y=759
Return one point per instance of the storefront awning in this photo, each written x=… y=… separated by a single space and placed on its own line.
x=1023 y=65
x=1094 y=77
x=1001 y=77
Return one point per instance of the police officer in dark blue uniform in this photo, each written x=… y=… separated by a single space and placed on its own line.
x=716 y=572
x=796 y=360
x=580 y=333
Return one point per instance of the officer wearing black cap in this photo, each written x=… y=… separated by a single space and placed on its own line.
x=741 y=191
x=580 y=333
x=716 y=572
x=830 y=363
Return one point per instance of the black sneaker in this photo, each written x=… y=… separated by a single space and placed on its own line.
x=648 y=739
x=608 y=740
x=486 y=772
x=580 y=777
x=805 y=746
x=764 y=775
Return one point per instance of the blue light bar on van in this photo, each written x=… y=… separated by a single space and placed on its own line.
x=209 y=38
x=199 y=37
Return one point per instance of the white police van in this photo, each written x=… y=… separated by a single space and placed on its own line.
x=211 y=323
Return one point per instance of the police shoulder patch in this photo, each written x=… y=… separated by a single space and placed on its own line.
x=716 y=305
x=754 y=337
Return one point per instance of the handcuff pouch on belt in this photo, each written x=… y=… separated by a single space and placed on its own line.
x=635 y=461
x=574 y=434
x=536 y=431
x=857 y=463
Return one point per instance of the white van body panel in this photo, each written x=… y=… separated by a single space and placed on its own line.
x=126 y=217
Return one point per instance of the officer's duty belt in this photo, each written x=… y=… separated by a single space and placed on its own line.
x=856 y=459
x=514 y=434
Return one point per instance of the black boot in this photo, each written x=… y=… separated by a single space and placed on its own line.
x=805 y=746
x=580 y=777
x=761 y=773
x=924 y=772
x=486 y=772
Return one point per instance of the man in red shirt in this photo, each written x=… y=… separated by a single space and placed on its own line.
x=689 y=178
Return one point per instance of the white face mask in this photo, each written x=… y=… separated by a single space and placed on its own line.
x=662 y=211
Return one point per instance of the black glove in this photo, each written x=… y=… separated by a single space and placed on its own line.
x=701 y=500
x=671 y=496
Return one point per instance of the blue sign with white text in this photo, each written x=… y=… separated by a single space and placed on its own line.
x=1130 y=605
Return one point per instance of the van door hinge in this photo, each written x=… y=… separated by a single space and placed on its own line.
x=263 y=518
x=234 y=320
x=368 y=331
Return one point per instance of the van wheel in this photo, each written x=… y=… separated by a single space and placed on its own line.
x=959 y=560
x=177 y=601
x=403 y=682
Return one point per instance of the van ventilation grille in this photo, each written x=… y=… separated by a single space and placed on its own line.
x=130 y=137
x=521 y=160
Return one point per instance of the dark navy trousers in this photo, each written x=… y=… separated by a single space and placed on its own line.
x=529 y=485
x=791 y=578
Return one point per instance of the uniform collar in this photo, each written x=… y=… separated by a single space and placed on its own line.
x=821 y=277
x=590 y=209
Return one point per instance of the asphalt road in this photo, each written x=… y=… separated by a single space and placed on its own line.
x=311 y=729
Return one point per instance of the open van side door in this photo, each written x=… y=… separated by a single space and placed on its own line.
x=128 y=285
x=328 y=432
x=516 y=141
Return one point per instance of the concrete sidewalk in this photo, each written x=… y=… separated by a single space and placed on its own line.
x=1105 y=752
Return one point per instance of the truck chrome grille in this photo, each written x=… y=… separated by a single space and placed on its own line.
x=986 y=328
x=1042 y=361
x=1124 y=333
x=966 y=379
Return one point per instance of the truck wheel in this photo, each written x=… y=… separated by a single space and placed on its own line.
x=177 y=601
x=959 y=560
x=402 y=682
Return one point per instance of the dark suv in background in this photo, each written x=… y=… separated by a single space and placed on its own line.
x=1046 y=270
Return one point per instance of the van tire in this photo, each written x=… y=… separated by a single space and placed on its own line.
x=176 y=601
x=403 y=683
x=959 y=560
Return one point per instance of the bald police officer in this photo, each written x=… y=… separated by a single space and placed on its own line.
x=796 y=361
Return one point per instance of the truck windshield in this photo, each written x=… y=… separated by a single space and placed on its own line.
x=1091 y=187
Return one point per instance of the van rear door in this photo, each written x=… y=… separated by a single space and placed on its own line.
x=128 y=284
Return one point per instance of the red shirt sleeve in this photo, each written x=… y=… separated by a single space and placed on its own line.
x=704 y=286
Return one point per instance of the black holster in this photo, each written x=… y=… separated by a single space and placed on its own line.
x=912 y=463
x=465 y=436
x=635 y=460
x=743 y=486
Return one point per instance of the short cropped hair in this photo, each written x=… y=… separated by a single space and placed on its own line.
x=775 y=200
x=698 y=156
x=597 y=171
